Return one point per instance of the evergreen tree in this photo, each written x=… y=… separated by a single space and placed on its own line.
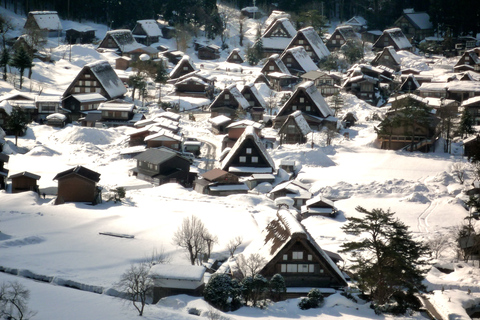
x=136 y=81
x=277 y=287
x=161 y=78
x=388 y=264
x=21 y=60
x=465 y=126
x=222 y=292
x=17 y=122
x=4 y=61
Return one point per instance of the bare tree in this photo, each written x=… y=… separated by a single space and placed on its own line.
x=137 y=285
x=458 y=169
x=233 y=245
x=329 y=135
x=182 y=37
x=210 y=240
x=437 y=244
x=251 y=265
x=191 y=235
x=271 y=101
x=13 y=301
x=158 y=257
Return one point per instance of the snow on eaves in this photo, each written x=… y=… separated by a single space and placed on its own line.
x=302 y=57
x=107 y=77
x=47 y=20
x=177 y=272
x=316 y=42
x=399 y=38
x=150 y=27
x=301 y=122
x=125 y=40
x=420 y=19
x=317 y=98
x=185 y=59
x=257 y=95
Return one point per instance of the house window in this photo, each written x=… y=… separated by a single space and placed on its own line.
x=247 y=95
x=271 y=68
x=242 y=159
x=307 y=47
x=297 y=255
x=309 y=257
x=302 y=100
x=386 y=57
x=76 y=89
x=87 y=75
x=303 y=268
x=311 y=268
x=285 y=257
x=294 y=108
x=248 y=150
x=307 y=108
x=235 y=56
x=289 y=59
x=87 y=89
x=283 y=268
x=227 y=96
x=185 y=68
x=80 y=82
x=175 y=146
x=124 y=114
x=341 y=41
x=334 y=41
x=300 y=41
x=337 y=36
x=292 y=268
x=251 y=103
x=254 y=159
x=87 y=83
x=98 y=90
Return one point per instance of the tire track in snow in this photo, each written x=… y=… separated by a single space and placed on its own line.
x=422 y=219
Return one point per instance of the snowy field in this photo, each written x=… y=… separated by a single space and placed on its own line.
x=62 y=243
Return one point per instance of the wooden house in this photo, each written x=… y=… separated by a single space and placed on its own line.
x=46 y=22
x=208 y=52
x=56 y=120
x=248 y=156
x=235 y=130
x=415 y=26
x=288 y=165
x=298 y=61
x=392 y=37
x=147 y=32
x=78 y=184
x=24 y=101
x=472 y=105
x=164 y=138
x=163 y=165
x=309 y=39
x=251 y=12
x=371 y=35
x=409 y=85
x=122 y=63
x=458 y=46
x=172 y=279
x=228 y=102
x=277 y=37
x=3 y=171
x=79 y=104
x=183 y=67
x=469 y=61
x=281 y=81
x=219 y=124
x=388 y=57
x=294 y=189
x=319 y=206
x=80 y=35
x=234 y=56
x=255 y=100
x=24 y=181
x=97 y=77
x=274 y=64
x=328 y=83
x=471 y=145
x=294 y=129
x=217 y=182
x=288 y=249
x=173 y=56
x=194 y=84
x=47 y=105
x=310 y=102
x=123 y=43
x=137 y=136
x=340 y=36
x=119 y=113
x=359 y=24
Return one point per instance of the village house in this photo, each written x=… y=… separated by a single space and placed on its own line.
x=24 y=181
x=82 y=105
x=117 y=113
x=459 y=45
x=327 y=82
x=251 y=12
x=146 y=32
x=310 y=102
x=80 y=35
x=416 y=26
x=293 y=189
x=208 y=52
x=164 y=138
x=297 y=61
x=309 y=39
x=472 y=105
x=162 y=165
x=229 y=102
x=137 y=136
x=340 y=36
x=319 y=206
x=122 y=63
x=392 y=37
x=193 y=84
x=255 y=100
x=277 y=74
x=183 y=67
x=277 y=37
x=78 y=184
x=274 y=16
x=274 y=64
x=409 y=84
x=248 y=156
x=234 y=56
x=220 y=123
x=3 y=171
x=217 y=182
x=388 y=57
x=288 y=249
x=359 y=24
x=24 y=101
x=469 y=61
x=97 y=77
x=172 y=279
x=123 y=43
x=47 y=105
x=235 y=130
x=47 y=22
x=294 y=129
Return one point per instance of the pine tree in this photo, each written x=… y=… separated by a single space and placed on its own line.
x=466 y=124
x=277 y=287
x=4 y=61
x=222 y=292
x=17 y=122
x=21 y=60
x=387 y=262
x=161 y=78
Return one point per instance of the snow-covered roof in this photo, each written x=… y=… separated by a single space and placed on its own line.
x=411 y=77
x=249 y=133
x=280 y=75
x=301 y=122
x=319 y=198
x=278 y=43
x=89 y=97
x=55 y=98
x=185 y=59
x=470 y=86
x=245 y=123
x=47 y=20
x=150 y=27
x=433 y=86
x=408 y=96
x=177 y=272
x=467 y=102
x=315 y=95
x=257 y=94
x=419 y=19
x=6 y=106
x=394 y=54
x=107 y=77
x=295 y=187
x=347 y=32
x=357 y=21
x=124 y=40
x=315 y=41
x=169 y=115
x=302 y=57
x=233 y=90
x=275 y=58
x=218 y=120
x=275 y=15
x=399 y=38
x=16 y=96
x=163 y=135
x=116 y=106
x=58 y=116
x=229 y=187
x=251 y=9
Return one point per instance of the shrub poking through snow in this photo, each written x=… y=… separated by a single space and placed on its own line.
x=313 y=300
x=223 y=292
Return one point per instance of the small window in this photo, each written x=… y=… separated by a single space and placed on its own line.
x=341 y=41
x=227 y=96
x=297 y=255
x=386 y=57
x=300 y=41
x=302 y=100
x=254 y=159
x=303 y=268
x=247 y=95
x=87 y=83
x=87 y=75
x=283 y=268
x=334 y=41
x=294 y=108
x=248 y=150
x=311 y=268
x=307 y=108
x=243 y=159
x=271 y=68
x=77 y=89
x=292 y=268
x=185 y=68
x=309 y=257
x=285 y=257
x=321 y=270
x=289 y=59
x=337 y=36
x=87 y=89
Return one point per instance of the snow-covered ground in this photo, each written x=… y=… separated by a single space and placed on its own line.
x=62 y=243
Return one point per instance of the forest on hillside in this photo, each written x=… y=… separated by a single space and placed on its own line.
x=459 y=18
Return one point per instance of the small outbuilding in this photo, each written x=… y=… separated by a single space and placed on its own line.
x=24 y=181
x=78 y=184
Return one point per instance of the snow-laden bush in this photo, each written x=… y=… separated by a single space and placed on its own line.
x=223 y=292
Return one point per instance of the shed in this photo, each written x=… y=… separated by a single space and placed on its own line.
x=78 y=184
x=24 y=181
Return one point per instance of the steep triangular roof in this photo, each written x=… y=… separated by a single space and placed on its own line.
x=257 y=95
x=150 y=26
x=178 y=70
x=410 y=78
x=248 y=134
x=314 y=41
x=123 y=39
x=347 y=32
x=388 y=51
x=233 y=90
x=420 y=20
x=235 y=53
x=357 y=21
x=302 y=57
x=278 y=35
x=275 y=59
x=274 y=16
x=46 y=20
x=81 y=171
x=302 y=124
x=311 y=90
x=398 y=37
